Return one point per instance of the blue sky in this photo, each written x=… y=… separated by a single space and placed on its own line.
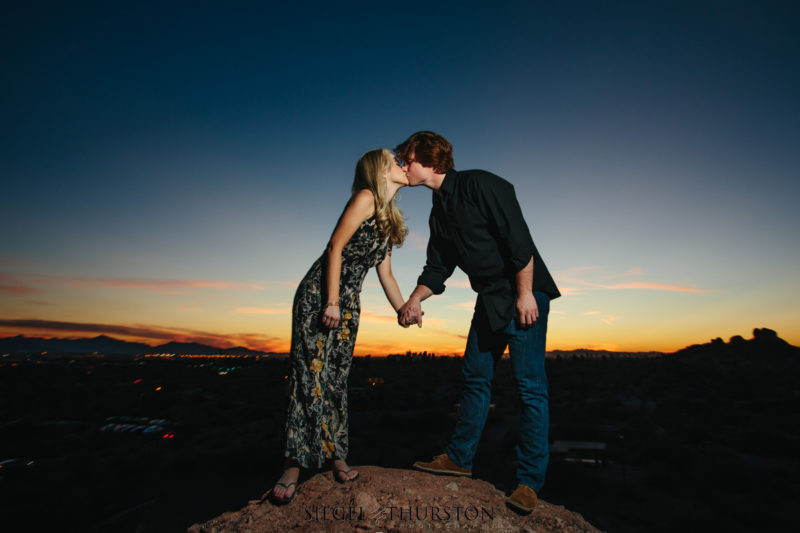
x=178 y=166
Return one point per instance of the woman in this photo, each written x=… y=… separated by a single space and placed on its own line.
x=325 y=319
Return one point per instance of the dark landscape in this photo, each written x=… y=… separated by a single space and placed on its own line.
x=704 y=438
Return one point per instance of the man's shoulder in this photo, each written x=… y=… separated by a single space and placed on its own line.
x=481 y=180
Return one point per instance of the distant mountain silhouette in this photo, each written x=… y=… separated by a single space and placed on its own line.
x=764 y=344
x=200 y=349
x=108 y=345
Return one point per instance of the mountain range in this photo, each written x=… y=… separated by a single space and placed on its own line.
x=109 y=345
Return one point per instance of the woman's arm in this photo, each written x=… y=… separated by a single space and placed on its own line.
x=389 y=284
x=361 y=207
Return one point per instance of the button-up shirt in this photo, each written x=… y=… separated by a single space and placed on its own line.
x=476 y=224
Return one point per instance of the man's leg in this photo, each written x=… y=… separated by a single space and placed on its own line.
x=527 y=350
x=480 y=356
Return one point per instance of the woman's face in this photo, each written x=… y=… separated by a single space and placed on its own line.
x=396 y=174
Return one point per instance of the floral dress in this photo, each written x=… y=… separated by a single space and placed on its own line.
x=319 y=361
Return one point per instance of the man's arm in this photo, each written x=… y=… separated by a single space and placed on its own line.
x=439 y=266
x=527 y=310
x=503 y=211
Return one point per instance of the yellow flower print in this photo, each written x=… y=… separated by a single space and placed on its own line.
x=317 y=392
x=347 y=315
x=316 y=365
x=324 y=427
x=319 y=344
x=344 y=334
x=328 y=447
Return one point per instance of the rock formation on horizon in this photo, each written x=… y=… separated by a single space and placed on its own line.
x=387 y=499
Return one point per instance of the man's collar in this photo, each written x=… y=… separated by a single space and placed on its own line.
x=448 y=182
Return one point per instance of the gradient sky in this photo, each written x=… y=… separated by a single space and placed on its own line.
x=171 y=170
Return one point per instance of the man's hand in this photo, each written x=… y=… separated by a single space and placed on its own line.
x=410 y=313
x=527 y=310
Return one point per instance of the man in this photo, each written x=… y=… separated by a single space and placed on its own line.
x=477 y=225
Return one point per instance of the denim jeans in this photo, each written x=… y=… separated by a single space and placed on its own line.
x=527 y=350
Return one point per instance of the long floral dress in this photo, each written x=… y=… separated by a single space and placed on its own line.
x=316 y=420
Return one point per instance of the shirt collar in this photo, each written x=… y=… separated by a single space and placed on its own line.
x=448 y=183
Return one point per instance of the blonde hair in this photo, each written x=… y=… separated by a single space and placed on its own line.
x=370 y=171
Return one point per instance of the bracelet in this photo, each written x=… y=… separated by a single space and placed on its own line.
x=331 y=304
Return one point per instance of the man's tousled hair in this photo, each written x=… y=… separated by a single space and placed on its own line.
x=429 y=149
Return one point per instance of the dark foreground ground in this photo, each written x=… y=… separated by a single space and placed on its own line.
x=706 y=438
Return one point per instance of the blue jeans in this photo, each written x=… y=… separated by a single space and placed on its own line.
x=483 y=351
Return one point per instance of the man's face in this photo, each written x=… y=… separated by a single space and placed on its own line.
x=415 y=172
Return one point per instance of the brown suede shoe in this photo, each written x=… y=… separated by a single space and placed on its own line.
x=523 y=499
x=442 y=464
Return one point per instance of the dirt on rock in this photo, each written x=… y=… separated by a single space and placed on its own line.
x=393 y=500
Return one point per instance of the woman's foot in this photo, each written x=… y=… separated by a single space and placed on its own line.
x=284 y=488
x=343 y=473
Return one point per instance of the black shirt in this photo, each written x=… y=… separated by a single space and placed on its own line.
x=476 y=224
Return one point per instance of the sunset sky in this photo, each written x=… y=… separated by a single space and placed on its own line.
x=171 y=170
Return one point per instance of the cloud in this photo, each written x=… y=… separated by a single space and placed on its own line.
x=607 y=319
x=167 y=286
x=263 y=311
x=377 y=317
x=254 y=341
x=461 y=282
x=656 y=287
x=465 y=306
x=434 y=324
x=578 y=284
x=570 y=291
x=17 y=289
x=10 y=285
x=417 y=240
x=21 y=284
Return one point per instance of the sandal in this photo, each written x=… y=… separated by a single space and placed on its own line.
x=285 y=500
x=337 y=471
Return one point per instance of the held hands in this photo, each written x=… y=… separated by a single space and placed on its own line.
x=527 y=310
x=410 y=313
x=331 y=316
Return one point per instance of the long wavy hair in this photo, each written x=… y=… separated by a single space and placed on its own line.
x=370 y=171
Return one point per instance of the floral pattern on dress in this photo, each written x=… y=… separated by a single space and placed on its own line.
x=316 y=430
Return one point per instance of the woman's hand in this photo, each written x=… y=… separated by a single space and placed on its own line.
x=331 y=316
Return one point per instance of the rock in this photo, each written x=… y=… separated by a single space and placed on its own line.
x=379 y=500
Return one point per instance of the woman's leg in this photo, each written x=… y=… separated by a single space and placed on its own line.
x=336 y=430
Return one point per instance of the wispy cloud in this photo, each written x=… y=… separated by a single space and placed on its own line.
x=377 y=317
x=431 y=323
x=25 y=283
x=592 y=278
x=263 y=311
x=656 y=287
x=606 y=319
x=461 y=282
x=17 y=289
x=145 y=333
x=10 y=285
x=463 y=306
x=416 y=240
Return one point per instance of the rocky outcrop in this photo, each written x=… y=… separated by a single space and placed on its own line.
x=392 y=500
